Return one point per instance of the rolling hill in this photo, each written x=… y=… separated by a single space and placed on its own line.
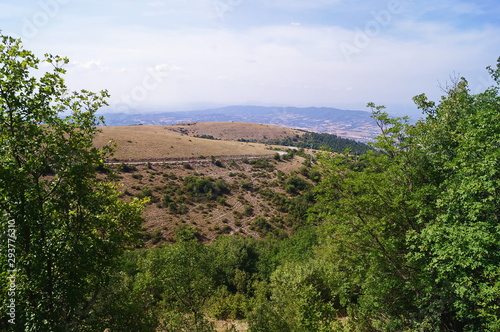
x=357 y=125
x=250 y=196
x=234 y=131
x=205 y=139
x=159 y=142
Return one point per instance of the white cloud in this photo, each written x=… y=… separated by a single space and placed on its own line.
x=167 y=68
x=468 y=8
x=301 y=4
x=287 y=65
x=156 y=3
x=298 y=64
x=92 y=65
x=156 y=13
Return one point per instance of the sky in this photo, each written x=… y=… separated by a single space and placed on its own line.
x=174 y=55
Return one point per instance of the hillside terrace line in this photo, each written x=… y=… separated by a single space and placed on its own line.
x=191 y=159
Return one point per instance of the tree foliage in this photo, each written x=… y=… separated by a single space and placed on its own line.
x=456 y=248
x=69 y=225
x=412 y=231
x=183 y=278
x=321 y=140
x=205 y=187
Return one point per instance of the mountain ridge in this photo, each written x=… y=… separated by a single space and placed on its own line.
x=352 y=124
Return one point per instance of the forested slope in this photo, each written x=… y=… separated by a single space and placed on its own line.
x=319 y=141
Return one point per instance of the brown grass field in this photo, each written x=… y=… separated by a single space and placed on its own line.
x=162 y=142
x=233 y=131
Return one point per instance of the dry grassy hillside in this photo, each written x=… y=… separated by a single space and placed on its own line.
x=160 y=142
x=245 y=196
x=244 y=207
x=233 y=131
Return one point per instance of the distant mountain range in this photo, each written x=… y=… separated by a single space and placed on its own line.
x=357 y=125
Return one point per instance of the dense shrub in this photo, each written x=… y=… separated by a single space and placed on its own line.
x=204 y=187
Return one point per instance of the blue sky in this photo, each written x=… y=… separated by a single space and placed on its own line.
x=165 y=55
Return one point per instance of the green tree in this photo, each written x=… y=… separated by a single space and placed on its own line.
x=128 y=303
x=298 y=299
x=364 y=215
x=410 y=230
x=456 y=248
x=235 y=257
x=68 y=226
x=182 y=276
x=205 y=188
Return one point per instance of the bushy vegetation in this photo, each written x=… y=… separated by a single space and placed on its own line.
x=205 y=188
x=206 y=137
x=412 y=236
x=61 y=231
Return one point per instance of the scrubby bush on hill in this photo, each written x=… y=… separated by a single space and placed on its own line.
x=205 y=188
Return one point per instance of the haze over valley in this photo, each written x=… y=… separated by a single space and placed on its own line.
x=357 y=125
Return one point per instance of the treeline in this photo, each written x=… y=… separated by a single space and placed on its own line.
x=319 y=141
x=207 y=137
